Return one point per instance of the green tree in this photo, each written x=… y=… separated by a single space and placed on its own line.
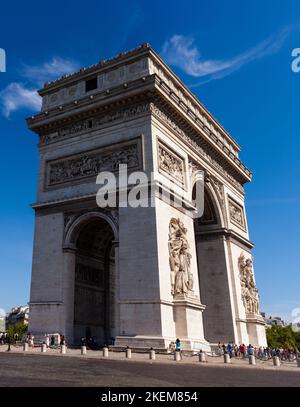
x=297 y=338
x=20 y=329
x=281 y=337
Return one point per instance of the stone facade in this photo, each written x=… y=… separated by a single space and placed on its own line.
x=144 y=275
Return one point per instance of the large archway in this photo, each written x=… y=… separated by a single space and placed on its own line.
x=94 y=288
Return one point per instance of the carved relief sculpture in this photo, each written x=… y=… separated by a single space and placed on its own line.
x=180 y=259
x=236 y=214
x=249 y=290
x=90 y=164
x=170 y=163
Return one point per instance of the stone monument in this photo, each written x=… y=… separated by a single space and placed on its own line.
x=139 y=276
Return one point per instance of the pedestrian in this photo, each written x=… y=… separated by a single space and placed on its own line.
x=229 y=349
x=31 y=340
x=52 y=341
x=178 y=347
x=8 y=341
x=224 y=348
x=172 y=347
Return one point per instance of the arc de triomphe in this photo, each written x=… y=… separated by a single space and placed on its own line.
x=146 y=275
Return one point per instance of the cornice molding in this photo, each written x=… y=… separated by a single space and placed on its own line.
x=203 y=151
x=227 y=234
x=140 y=64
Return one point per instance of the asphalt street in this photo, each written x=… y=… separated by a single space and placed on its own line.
x=43 y=370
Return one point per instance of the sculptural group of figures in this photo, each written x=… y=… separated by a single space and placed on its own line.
x=89 y=165
x=249 y=290
x=180 y=259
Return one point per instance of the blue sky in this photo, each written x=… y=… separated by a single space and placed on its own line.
x=239 y=66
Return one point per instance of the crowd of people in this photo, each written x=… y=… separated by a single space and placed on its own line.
x=261 y=352
x=232 y=349
x=51 y=341
x=5 y=338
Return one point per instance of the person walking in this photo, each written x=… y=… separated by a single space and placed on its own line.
x=229 y=349
x=62 y=340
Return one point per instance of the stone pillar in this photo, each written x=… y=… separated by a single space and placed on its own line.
x=202 y=357
x=227 y=358
x=116 y=330
x=177 y=356
x=46 y=305
x=68 y=281
x=128 y=353
x=152 y=354
x=276 y=361
x=177 y=254
x=252 y=360
x=215 y=288
x=83 y=350
x=44 y=348
x=105 y=352
x=186 y=312
x=256 y=330
x=63 y=349
x=25 y=347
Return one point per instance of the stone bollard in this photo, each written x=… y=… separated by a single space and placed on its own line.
x=177 y=356
x=63 y=349
x=227 y=358
x=202 y=357
x=298 y=362
x=25 y=347
x=152 y=354
x=105 y=352
x=252 y=360
x=83 y=350
x=128 y=353
x=44 y=348
x=276 y=361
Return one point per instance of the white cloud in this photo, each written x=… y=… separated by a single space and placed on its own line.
x=182 y=52
x=50 y=70
x=16 y=96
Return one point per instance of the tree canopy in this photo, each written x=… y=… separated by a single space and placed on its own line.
x=282 y=337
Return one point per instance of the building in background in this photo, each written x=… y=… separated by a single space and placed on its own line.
x=270 y=321
x=2 y=324
x=17 y=315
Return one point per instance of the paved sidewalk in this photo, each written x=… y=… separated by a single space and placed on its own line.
x=161 y=358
